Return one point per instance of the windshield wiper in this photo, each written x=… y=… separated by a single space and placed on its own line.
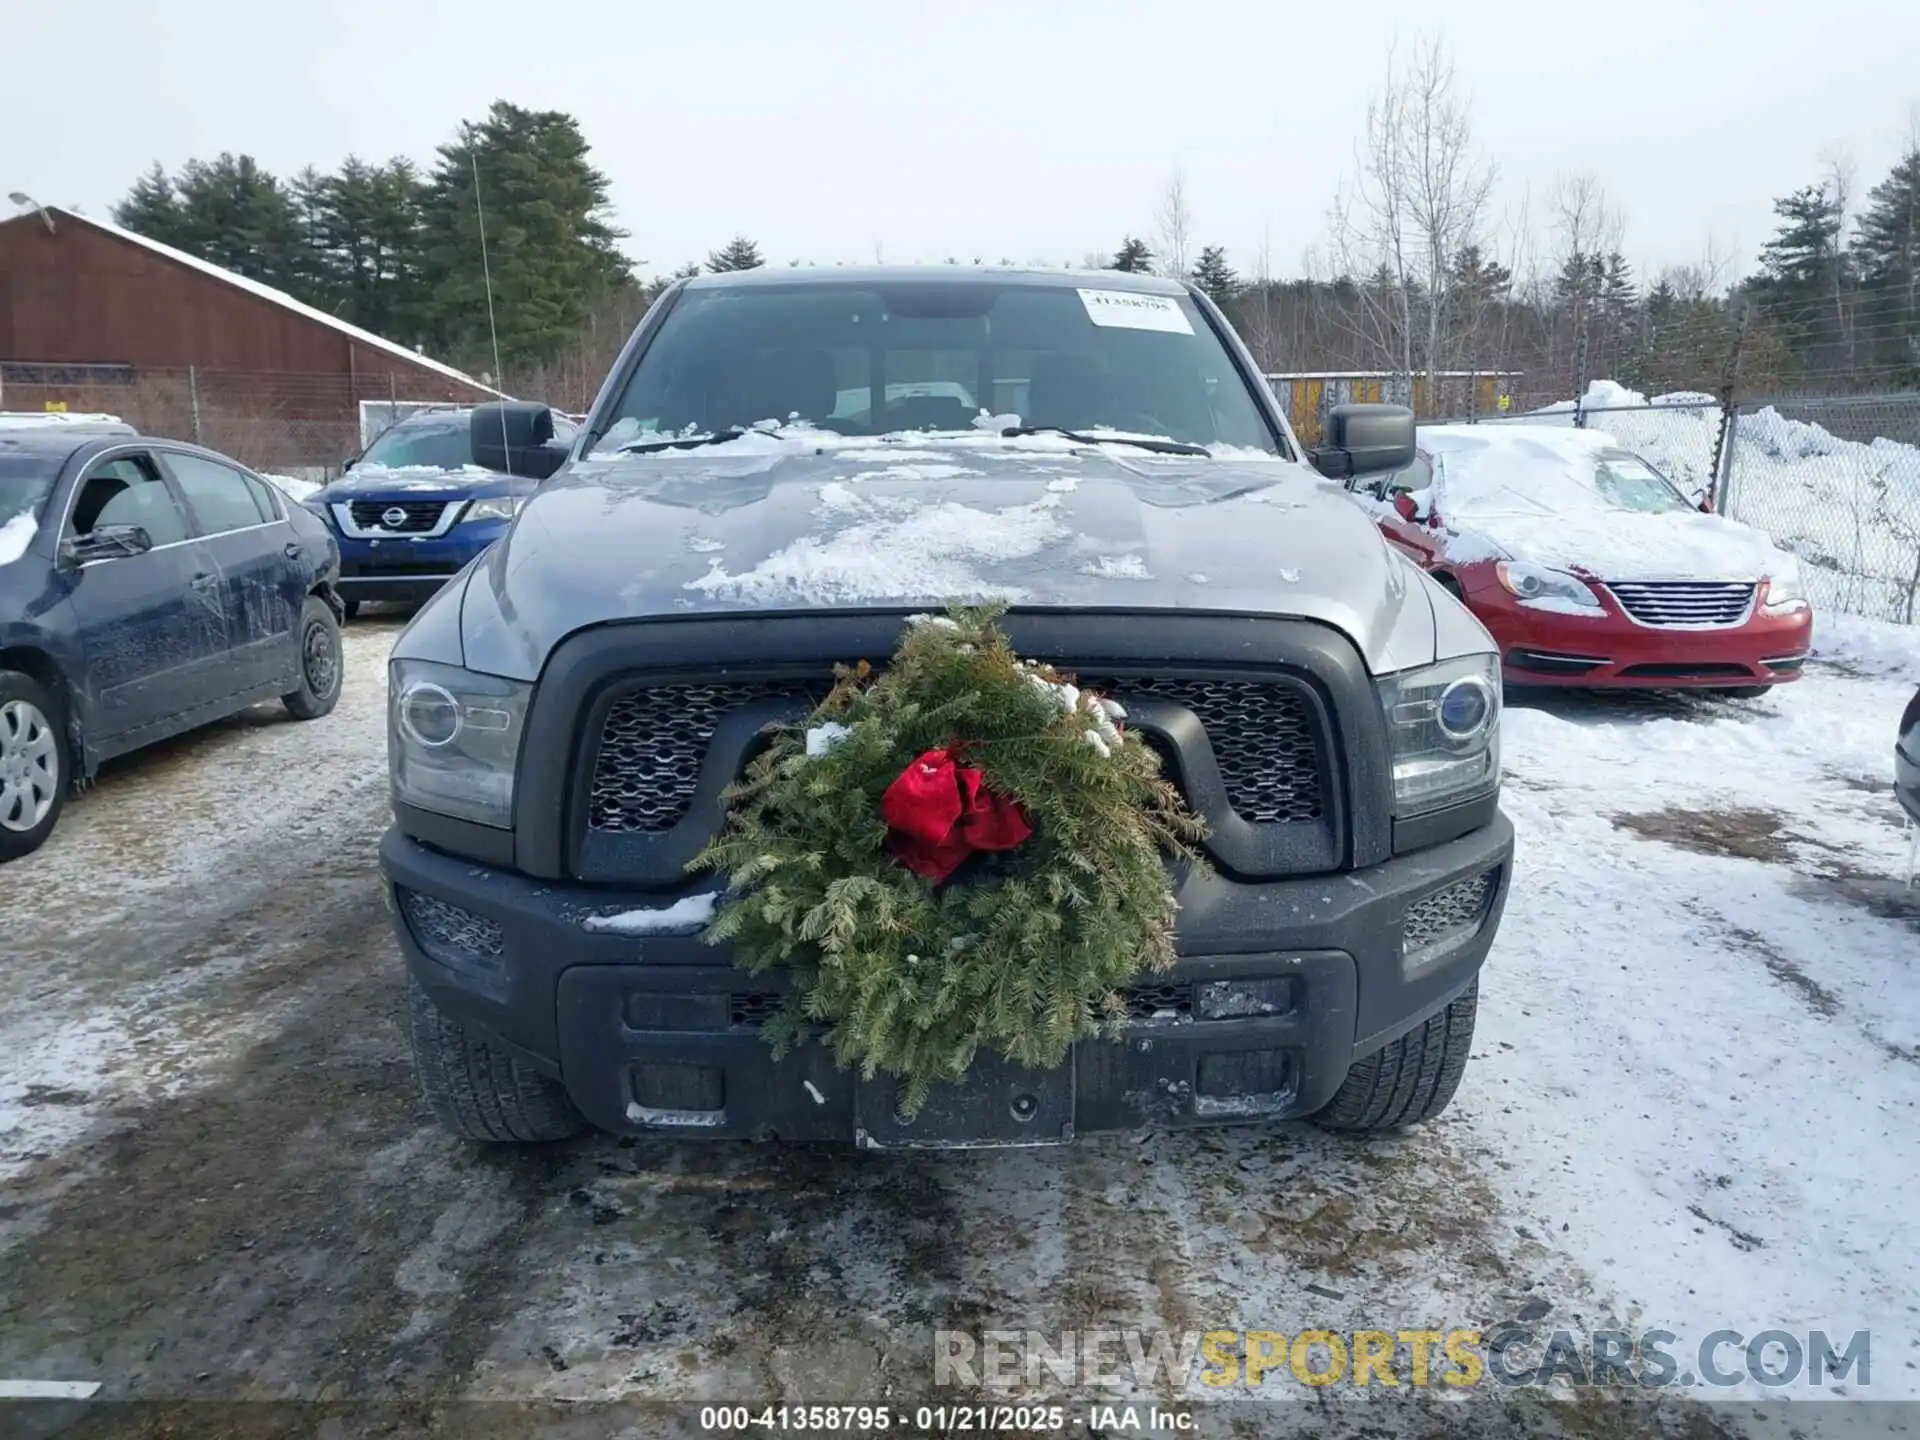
x=1082 y=437
x=685 y=442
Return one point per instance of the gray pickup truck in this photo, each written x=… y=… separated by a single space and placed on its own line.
x=782 y=467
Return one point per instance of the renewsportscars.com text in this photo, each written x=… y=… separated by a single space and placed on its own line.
x=1516 y=1356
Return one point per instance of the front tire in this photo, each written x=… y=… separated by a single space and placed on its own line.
x=321 y=663
x=1413 y=1078
x=34 y=765
x=478 y=1090
x=349 y=609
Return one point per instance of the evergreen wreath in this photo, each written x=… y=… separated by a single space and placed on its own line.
x=964 y=849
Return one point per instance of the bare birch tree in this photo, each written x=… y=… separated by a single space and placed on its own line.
x=1420 y=196
x=1173 y=226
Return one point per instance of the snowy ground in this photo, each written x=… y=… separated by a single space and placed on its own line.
x=1694 y=1104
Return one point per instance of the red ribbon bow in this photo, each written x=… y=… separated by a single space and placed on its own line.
x=938 y=813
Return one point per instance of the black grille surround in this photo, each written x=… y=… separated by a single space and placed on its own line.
x=422 y=515
x=1170 y=670
x=1686 y=604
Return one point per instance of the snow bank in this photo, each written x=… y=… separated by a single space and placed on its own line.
x=292 y=488
x=1875 y=648
x=16 y=535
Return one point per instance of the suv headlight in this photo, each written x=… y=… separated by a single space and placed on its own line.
x=315 y=508
x=453 y=737
x=1443 y=725
x=1784 y=591
x=1546 y=589
x=501 y=507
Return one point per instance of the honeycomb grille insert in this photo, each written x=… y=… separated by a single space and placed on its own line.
x=1452 y=913
x=655 y=739
x=450 y=932
x=1263 y=738
x=653 y=743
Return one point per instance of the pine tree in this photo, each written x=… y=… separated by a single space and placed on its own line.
x=1134 y=257
x=739 y=253
x=553 y=254
x=152 y=208
x=1215 y=277
x=1886 y=249
x=1800 y=255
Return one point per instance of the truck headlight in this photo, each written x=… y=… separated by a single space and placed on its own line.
x=453 y=737
x=1443 y=725
x=1546 y=589
x=500 y=507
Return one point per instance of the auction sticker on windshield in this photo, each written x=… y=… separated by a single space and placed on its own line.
x=1125 y=310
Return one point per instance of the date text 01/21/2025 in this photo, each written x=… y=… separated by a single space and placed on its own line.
x=938 y=1419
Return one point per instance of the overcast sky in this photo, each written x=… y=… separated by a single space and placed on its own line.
x=1044 y=130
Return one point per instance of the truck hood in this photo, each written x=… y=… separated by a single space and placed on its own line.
x=765 y=524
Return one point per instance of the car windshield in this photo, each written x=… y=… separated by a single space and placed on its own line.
x=934 y=355
x=25 y=482
x=440 y=444
x=1632 y=484
x=1509 y=474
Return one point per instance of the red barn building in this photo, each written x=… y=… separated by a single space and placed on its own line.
x=94 y=317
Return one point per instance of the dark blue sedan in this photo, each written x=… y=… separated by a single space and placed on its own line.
x=414 y=508
x=146 y=587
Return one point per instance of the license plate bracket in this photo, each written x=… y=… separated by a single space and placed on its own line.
x=999 y=1104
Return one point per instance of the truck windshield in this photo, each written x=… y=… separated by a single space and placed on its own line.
x=934 y=355
x=25 y=483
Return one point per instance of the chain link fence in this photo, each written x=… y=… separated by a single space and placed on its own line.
x=1836 y=480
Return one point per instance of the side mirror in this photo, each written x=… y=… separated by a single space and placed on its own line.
x=516 y=438
x=1365 y=440
x=1404 y=503
x=105 y=542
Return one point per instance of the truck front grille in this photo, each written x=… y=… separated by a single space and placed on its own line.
x=653 y=743
x=655 y=739
x=1684 y=602
x=1263 y=738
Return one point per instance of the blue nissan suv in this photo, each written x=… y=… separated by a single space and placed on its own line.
x=413 y=508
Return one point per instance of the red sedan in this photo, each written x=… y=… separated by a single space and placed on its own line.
x=1590 y=567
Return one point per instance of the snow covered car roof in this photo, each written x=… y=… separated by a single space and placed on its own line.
x=1577 y=500
x=62 y=420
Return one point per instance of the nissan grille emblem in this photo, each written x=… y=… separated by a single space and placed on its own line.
x=393 y=517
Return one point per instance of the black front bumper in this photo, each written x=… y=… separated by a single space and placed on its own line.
x=357 y=583
x=1279 y=988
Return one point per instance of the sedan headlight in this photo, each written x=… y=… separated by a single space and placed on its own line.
x=1545 y=589
x=1443 y=725
x=501 y=507
x=453 y=737
x=1784 y=591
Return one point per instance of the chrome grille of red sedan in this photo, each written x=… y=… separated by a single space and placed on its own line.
x=1684 y=602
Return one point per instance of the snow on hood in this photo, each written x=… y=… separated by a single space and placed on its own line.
x=1529 y=492
x=16 y=535
x=764 y=524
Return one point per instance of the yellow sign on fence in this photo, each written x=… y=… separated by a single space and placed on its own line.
x=58 y=407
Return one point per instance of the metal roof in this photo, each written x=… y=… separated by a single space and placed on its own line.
x=274 y=297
